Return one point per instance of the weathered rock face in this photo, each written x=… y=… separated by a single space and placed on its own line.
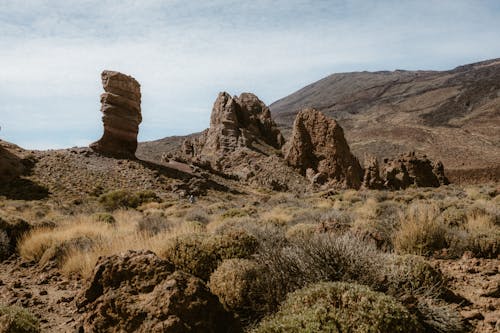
x=235 y=122
x=371 y=178
x=121 y=108
x=11 y=166
x=411 y=169
x=139 y=292
x=318 y=143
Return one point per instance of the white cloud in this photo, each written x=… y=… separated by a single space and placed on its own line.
x=183 y=53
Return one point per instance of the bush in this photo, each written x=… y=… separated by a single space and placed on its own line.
x=301 y=230
x=200 y=253
x=240 y=286
x=197 y=215
x=323 y=257
x=413 y=275
x=152 y=224
x=125 y=199
x=104 y=217
x=14 y=319
x=420 y=232
x=339 y=307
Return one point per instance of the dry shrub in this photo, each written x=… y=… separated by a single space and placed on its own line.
x=201 y=253
x=301 y=230
x=294 y=264
x=420 y=232
x=153 y=224
x=14 y=319
x=480 y=235
x=413 y=275
x=438 y=317
x=278 y=216
x=56 y=241
x=197 y=214
x=240 y=286
x=339 y=307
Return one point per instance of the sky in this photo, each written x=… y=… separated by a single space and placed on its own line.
x=184 y=52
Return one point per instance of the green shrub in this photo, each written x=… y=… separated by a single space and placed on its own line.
x=200 y=254
x=337 y=307
x=125 y=199
x=413 y=275
x=240 y=286
x=104 y=217
x=14 y=319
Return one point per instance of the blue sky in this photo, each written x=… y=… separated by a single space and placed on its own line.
x=184 y=52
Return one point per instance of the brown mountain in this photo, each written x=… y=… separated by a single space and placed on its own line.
x=453 y=116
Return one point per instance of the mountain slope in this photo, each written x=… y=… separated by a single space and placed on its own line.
x=451 y=115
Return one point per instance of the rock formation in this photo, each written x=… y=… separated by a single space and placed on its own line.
x=139 y=292
x=121 y=108
x=11 y=165
x=235 y=122
x=319 y=150
x=411 y=169
x=371 y=178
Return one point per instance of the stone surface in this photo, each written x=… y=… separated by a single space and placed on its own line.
x=371 y=178
x=121 y=108
x=318 y=143
x=11 y=165
x=412 y=169
x=235 y=123
x=139 y=292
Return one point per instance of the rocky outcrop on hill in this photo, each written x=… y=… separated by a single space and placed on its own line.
x=453 y=115
x=319 y=150
x=235 y=123
x=11 y=164
x=121 y=108
x=139 y=292
x=411 y=169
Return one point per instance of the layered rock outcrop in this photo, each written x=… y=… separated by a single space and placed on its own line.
x=319 y=150
x=139 y=292
x=235 y=123
x=412 y=169
x=121 y=108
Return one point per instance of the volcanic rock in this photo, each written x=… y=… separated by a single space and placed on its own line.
x=411 y=169
x=121 y=108
x=11 y=165
x=235 y=123
x=371 y=178
x=318 y=143
x=139 y=292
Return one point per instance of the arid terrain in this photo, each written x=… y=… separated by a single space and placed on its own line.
x=365 y=202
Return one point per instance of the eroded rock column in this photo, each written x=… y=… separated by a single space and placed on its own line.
x=121 y=108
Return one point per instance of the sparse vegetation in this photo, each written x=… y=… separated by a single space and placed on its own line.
x=125 y=199
x=339 y=307
x=14 y=319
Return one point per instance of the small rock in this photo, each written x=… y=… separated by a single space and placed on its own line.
x=43 y=292
x=472 y=315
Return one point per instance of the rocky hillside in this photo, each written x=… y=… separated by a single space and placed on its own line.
x=453 y=116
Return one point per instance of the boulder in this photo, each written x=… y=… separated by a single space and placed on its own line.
x=412 y=169
x=121 y=108
x=235 y=123
x=318 y=143
x=140 y=292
